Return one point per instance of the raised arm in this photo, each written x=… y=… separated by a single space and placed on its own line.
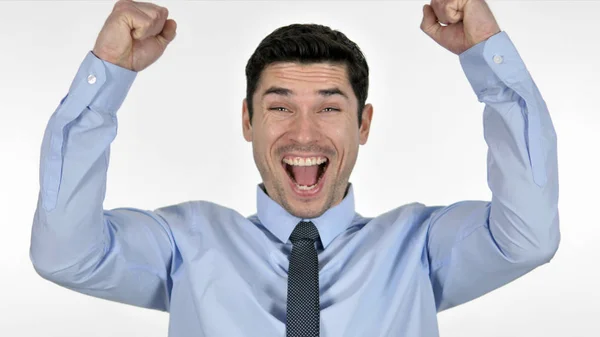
x=475 y=246
x=122 y=254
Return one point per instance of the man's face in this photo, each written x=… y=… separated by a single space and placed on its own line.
x=305 y=134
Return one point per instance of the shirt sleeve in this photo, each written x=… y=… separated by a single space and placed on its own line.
x=122 y=254
x=475 y=246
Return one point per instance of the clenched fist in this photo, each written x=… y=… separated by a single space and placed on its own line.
x=458 y=25
x=135 y=35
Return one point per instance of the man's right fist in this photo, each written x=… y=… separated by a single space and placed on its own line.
x=135 y=35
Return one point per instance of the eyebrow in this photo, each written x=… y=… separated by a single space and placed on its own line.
x=287 y=92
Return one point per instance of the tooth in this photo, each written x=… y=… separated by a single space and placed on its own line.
x=305 y=188
x=298 y=161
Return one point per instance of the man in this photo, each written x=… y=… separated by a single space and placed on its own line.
x=306 y=264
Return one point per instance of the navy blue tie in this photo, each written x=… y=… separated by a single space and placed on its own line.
x=303 y=315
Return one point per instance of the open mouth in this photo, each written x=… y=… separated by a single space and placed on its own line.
x=306 y=173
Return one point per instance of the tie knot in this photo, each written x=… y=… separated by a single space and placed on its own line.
x=305 y=230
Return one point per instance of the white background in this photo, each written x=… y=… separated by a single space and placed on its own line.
x=180 y=139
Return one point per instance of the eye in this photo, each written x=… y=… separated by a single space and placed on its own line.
x=331 y=109
x=279 y=108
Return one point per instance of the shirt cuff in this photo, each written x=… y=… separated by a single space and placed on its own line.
x=493 y=62
x=101 y=85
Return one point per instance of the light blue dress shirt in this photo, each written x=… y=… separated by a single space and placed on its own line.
x=220 y=273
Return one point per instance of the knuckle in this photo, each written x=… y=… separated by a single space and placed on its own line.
x=121 y=6
x=157 y=13
x=146 y=24
x=122 y=9
x=152 y=14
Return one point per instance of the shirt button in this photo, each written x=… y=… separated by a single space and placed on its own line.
x=91 y=79
x=498 y=59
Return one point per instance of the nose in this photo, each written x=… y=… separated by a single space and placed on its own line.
x=305 y=128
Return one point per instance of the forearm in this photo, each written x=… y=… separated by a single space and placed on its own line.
x=522 y=152
x=123 y=254
x=69 y=224
x=476 y=246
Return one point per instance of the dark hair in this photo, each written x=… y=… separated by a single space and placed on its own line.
x=309 y=43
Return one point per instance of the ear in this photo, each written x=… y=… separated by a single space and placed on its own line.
x=246 y=124
x=365 y=126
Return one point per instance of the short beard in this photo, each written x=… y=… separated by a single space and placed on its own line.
x=306 y=213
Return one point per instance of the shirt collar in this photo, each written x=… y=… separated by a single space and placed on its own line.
x=281 y=223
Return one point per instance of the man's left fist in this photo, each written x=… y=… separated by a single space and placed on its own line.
x=458 y=25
